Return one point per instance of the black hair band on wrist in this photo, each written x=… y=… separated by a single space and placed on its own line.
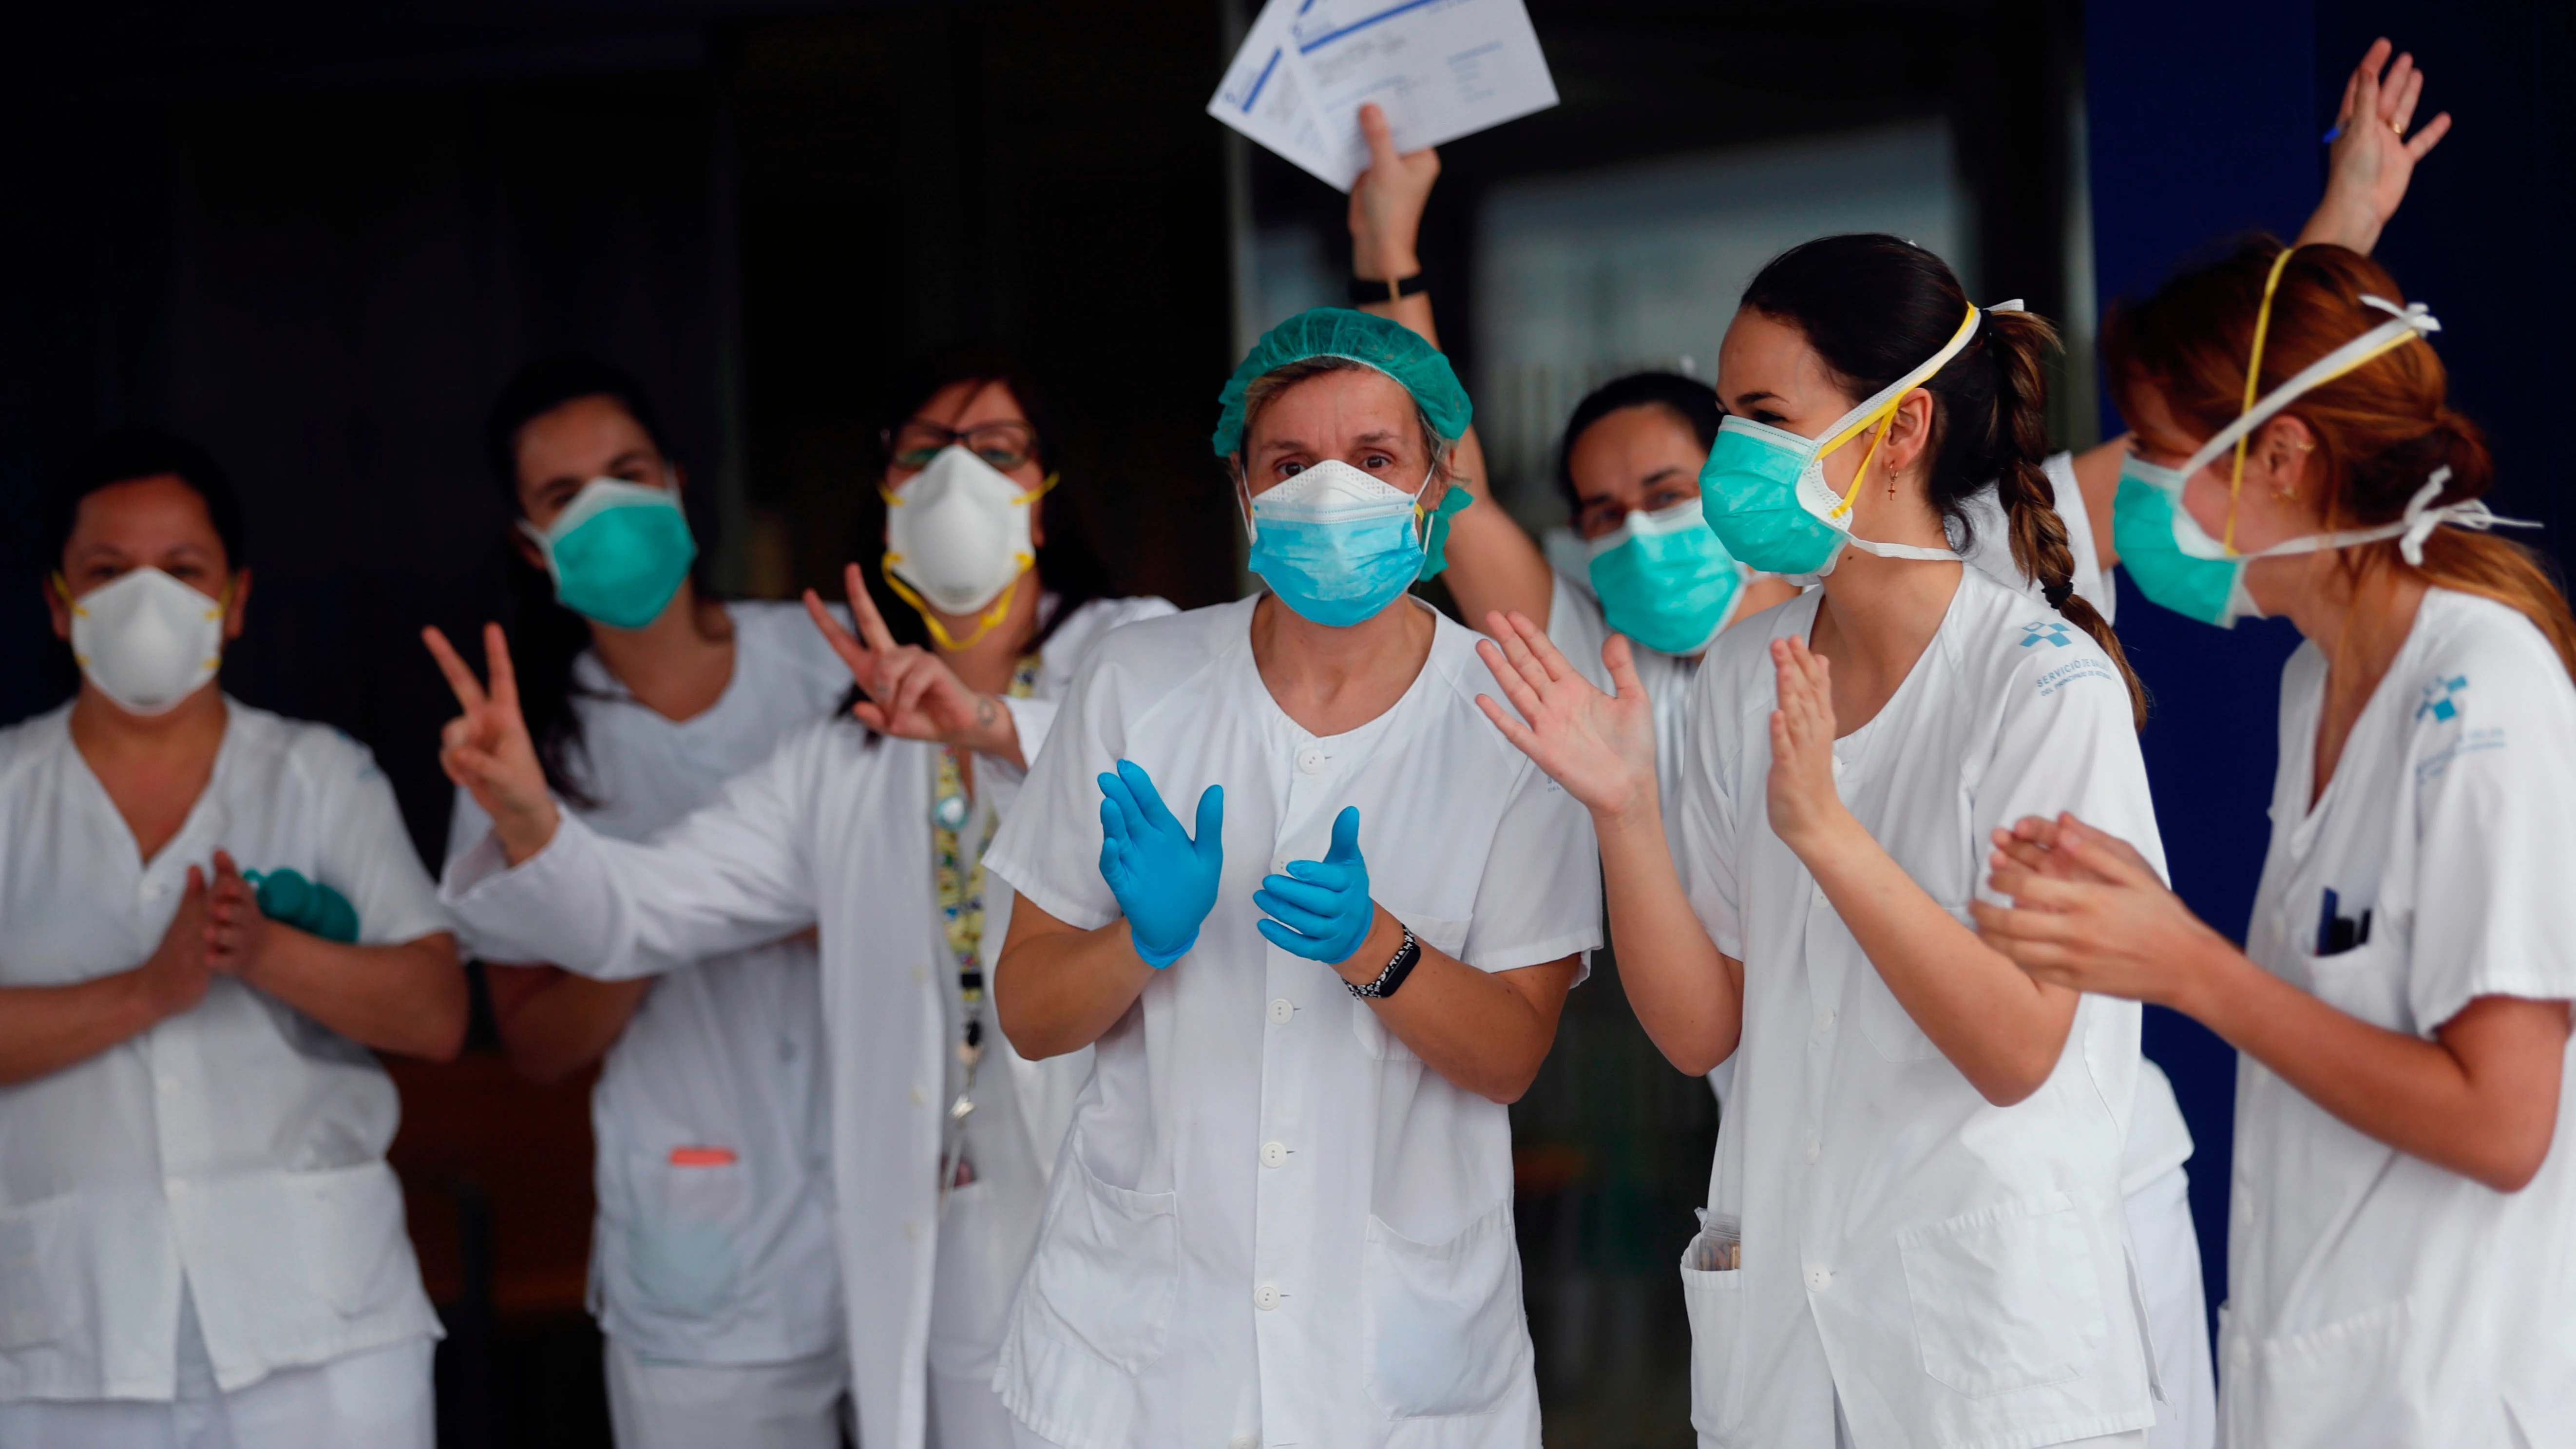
x=1368 y=290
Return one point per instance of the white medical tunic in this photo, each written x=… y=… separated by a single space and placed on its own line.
x=1271 y=1224
x=2374 y=1298
x=1990 y=542
x=1953 y=1272
x=237 y=1147
x=690 y=1261
x=831 y=830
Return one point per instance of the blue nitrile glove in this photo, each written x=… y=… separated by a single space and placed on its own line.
x=307 y=905
x=1164 y=880
x=1321 y=908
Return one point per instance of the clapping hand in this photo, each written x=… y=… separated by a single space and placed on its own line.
x=236 y=928
x=1320 y=909
x=1164 y=878
x=2090 y=913
x=1801 y=794
x=1600 y=747
x=486 y=750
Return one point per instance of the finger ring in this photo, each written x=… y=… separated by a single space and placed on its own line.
x=2399 y=129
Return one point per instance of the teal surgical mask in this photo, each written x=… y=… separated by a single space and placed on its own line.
x=1764 y=491
x=2174 y=560
x=617 y=552
x=1664 y=580
x=1336 y=544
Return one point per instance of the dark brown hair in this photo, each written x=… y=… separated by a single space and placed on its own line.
x=1874 y=307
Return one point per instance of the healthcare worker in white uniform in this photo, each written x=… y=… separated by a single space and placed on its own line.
x=1284 y=1214
x=2402 y=1234
x=1628 y=468
x=713 y=1273
x=1915 y=1231
x=208 y=915
x=866 y=830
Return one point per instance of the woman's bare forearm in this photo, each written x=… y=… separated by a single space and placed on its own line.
x=2001 y=1029
x=2481 y=1100
x=44 y=1029
x=553 y=1023
x=1687 y=994
x=409 y=998
x=1058 y=988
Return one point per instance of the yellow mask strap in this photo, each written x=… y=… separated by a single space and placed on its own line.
x=1045 y=486
x=984 y=622
x=2253 y=384
x=63 y=586
x=1861 y=473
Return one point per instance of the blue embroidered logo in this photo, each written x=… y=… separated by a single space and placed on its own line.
x=2441 y=696
x=2051 y=632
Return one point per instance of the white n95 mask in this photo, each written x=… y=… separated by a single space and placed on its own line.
x=146 y=639
x=958 y=533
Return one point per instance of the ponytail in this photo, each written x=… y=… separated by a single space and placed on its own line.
x=2014 y=345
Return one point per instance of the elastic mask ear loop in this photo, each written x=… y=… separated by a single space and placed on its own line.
x=1243 y=504
x=2253 y=381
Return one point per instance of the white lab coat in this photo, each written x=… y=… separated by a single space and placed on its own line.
x=708 y=1264
x=1944 y=1270
x=2374 y=1298
x=831 y=831
x=236 y=1149
x=1272 y=1224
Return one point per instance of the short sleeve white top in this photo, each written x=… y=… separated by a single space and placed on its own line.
x=1990 y=544
x=239 y=1145
x=694 y=1261
x=2374 y=1297
x=1271 y=1223
x=1952 y=1271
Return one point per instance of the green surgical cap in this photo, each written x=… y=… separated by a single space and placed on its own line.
x=1364 y=338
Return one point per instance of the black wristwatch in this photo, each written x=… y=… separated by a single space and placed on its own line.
x=1396 y=970
x=1368 y=290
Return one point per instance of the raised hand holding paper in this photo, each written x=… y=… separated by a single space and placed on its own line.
x=1441 y=69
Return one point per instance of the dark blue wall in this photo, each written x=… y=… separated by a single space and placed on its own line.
x=2205 y=121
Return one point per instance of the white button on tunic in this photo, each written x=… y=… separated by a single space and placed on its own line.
x=1366 y=1292
x=2375 y=1298
x=1953 y=1272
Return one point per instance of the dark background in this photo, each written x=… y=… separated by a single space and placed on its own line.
x=317 y=239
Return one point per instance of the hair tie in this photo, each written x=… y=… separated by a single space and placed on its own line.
x=2057 y=594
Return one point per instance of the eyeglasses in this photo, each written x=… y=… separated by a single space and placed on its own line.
x=1005 y=445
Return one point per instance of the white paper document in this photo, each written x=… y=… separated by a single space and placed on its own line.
x=1441 y=69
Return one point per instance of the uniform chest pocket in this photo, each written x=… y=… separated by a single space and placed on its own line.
x=1449 y=937
x=2005 y=1297
x=1442 y=1322
x=684 y=1231
x=1108 y=1266
x=2368 y=981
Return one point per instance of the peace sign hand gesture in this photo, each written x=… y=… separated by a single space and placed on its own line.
x=912 y=694
x=487 y=750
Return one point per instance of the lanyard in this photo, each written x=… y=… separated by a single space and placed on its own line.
x=960 y=877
